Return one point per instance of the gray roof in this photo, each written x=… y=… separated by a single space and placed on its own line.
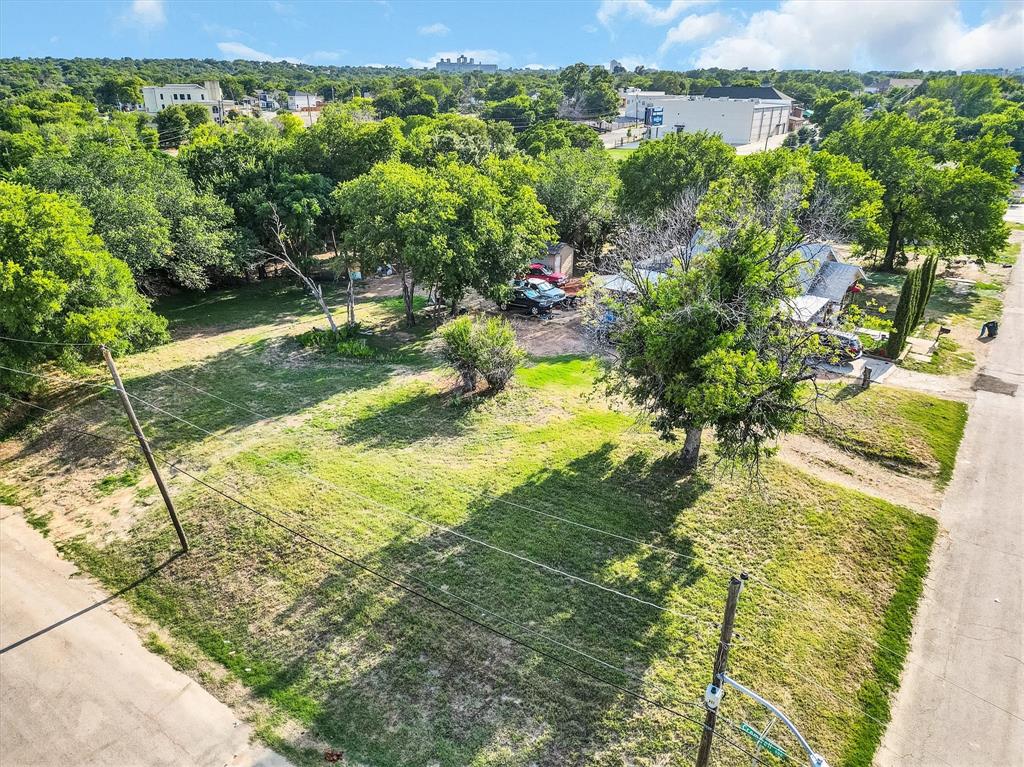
x=745 y=92
x=834 y=279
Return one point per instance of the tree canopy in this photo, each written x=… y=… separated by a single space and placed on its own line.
x=59 y=284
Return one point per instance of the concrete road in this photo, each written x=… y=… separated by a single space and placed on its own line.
x=86 y=692
x=968 y=642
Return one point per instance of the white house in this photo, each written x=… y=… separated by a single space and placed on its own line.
x=298 y=100
x=209 y=95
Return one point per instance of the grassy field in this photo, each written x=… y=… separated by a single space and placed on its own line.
x=621 y=152
x=907 y=431
x=377 y=461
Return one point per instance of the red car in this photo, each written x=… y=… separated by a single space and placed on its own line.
x=541 y=272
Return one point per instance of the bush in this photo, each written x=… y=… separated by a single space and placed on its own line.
x=478 y=348
x=346 y=342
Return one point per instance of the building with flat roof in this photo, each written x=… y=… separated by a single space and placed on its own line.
x=208 y=95
x=737 y=121
x=462 y=64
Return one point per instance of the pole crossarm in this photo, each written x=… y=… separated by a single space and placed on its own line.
x=815 y=759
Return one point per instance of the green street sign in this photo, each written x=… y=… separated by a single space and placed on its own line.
x=768 y=745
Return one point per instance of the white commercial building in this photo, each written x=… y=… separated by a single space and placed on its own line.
x=740 y=115
x=209 y=95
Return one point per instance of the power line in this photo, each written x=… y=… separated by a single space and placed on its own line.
x=436 y=525
x=44 y=343
x=175 y=465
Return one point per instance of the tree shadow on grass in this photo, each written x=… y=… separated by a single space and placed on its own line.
x=398 y=680
x=263 y=381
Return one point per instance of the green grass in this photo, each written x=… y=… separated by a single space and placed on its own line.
x=905 y=430
x=381 y=674
x=8 y=494
x=621 y=153
x=949 y=359
x=126 y=478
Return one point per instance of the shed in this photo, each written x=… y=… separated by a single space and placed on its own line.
x=559 y=258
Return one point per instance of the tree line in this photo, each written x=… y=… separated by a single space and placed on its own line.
x=450 y=201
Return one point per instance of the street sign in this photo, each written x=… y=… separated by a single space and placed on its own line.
x=768 y=745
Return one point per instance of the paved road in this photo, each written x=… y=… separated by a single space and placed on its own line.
x=87 y=692
x=970 y=629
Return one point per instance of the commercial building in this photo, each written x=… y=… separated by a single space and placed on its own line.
x=737 y=121
x=462 y=64
x=209 y=95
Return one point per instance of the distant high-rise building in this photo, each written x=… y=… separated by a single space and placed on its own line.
x=462 y=64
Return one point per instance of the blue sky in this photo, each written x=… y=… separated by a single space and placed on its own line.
x=668 y=34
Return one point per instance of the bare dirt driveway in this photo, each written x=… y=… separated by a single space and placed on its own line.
x=78 y=687
x=961 y=701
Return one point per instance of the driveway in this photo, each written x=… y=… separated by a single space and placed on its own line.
x=77 y=686
x=961 y=701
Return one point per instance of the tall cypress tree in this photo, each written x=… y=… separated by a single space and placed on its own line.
x=905 y=310
x=927 y=270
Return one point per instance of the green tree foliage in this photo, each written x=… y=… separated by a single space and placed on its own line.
x=485 y=347
x=519 y=111
x=971 y=95
x=655 y=174
x=452 y=228
x=924 y=293
x=557 y=134
x=466 y=139
x=342 y=145
x=146 y=209
x=579 y=189
x=712 y=344
x=30 y=122
x=59 y=284
x=173 y=125
x=405 y=98
x=921 y=192
x=905 y=311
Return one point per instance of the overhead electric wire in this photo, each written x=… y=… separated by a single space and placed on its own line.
x=437 y=525
x=176 y=466
x=45 y=343
x=300 y=534
x=765 y=583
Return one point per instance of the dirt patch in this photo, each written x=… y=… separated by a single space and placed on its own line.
x=843 y=468
x=994 y=385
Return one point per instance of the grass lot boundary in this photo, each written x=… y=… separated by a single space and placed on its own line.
x=893 y=645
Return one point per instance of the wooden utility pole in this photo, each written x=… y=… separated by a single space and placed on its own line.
x=130 y=412
x=713 y=696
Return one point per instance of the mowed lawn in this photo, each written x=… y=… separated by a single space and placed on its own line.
x=375 y=460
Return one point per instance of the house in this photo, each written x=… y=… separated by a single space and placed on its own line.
x=824 y=283
x=300 y=100
x=888 y=83
x=559 y=258
x=462 y=64
x=208 y=95
x=738 y=121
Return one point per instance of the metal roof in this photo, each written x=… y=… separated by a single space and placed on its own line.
x=766 y=92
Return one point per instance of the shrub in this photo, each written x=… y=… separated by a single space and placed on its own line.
x=478 y=348
x=346 y=342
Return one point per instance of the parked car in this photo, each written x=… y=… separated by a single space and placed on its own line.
x=838 y=347
x=525 y=297
x=541 y=272
x=559 y=296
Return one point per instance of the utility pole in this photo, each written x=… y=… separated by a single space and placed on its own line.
x=130 y=412
x=713 y=696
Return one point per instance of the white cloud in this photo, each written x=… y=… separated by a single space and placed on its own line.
x=540 y=66
x=376 y=66
x=642 y=10
x=54 y=39
x=484 y=56
x=145 y=14
x=871 y=34
x=694 y=27
x=240 y=51
x=589 y=28
x=282 y=9
x=327 y=57
x=437 y=29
